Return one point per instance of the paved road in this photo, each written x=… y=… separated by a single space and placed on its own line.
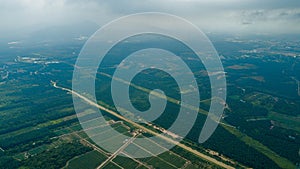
x=129 y=141
x=201 y=155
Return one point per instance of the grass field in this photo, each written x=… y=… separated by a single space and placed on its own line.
x=89 y=160
x=126 y=162
x=285 y=121
x=111 y=166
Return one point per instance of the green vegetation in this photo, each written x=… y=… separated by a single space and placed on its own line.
x=39 y=128
x=90 y=160
x=176 y=160
x=280 y=161
x=285 y=121
x=7 y=162
x=126 y=162
x=111 y=166
x=57 y=157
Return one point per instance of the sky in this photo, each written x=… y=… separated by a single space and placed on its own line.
x=232 y=16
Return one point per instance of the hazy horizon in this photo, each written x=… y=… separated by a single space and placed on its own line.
x=22 y=17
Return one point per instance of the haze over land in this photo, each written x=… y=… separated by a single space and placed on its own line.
x=259 y=46
x=20 y=17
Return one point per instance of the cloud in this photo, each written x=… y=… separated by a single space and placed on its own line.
x=247 y=16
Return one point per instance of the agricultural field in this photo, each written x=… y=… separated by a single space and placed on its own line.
x=39 y=127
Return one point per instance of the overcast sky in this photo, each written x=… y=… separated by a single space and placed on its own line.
x=242 y=16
